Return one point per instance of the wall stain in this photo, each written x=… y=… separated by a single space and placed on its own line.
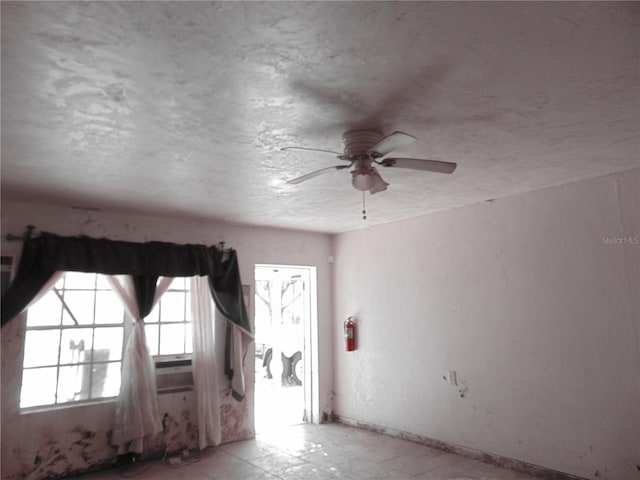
x=78 y=450
x=234 y=417
x=50 y=462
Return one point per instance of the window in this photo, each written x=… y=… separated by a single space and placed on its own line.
x=73 y=343
x=76 y=334
x=168 y=326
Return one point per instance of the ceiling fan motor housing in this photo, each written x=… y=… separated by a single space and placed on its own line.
x=358 y=142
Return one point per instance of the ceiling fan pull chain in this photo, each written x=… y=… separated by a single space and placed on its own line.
x=364 y=208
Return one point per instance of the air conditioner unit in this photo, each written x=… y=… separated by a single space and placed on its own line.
x=174 y=373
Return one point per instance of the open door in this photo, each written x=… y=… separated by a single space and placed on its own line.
x=284 y=308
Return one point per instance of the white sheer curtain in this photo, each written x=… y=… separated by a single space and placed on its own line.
x=137 y=413
x=205 y=365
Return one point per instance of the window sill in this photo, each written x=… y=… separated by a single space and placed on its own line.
x=66 y=406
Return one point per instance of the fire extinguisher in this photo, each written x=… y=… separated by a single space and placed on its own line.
x=350 y=334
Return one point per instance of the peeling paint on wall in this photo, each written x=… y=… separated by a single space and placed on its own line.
x=59 y=458
x=80 y=450
x=234 y=417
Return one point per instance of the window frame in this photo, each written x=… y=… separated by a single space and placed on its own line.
x=186 y=322
x=127 y=328
x=61 y=327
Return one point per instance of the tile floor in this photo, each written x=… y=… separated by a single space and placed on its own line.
x=309 y=452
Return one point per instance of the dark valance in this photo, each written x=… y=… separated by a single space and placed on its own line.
x=48 y=253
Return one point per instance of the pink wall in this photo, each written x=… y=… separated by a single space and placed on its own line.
x=532 y=299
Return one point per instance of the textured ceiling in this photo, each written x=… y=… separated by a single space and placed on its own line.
x=180 y=108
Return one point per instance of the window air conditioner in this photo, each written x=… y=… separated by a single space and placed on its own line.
x=174 y=373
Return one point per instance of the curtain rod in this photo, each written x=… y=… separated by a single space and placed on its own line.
x=21 y=238
x=221 y=247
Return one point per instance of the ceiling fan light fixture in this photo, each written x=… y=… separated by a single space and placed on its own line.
x=369 y=179
x=378 y=184
x=362 y=181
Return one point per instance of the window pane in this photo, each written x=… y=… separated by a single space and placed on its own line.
x=45 y=312
x=172 y=307
x=177 y=283
x=109 y=309
x=79 y=280
x=38 y=387
x=73 y=383
x=153 y=316
x=102 y=283
x=107 y=344
x=81 y=305
x=75 y=346
x=41 y=348
x=188 y=339
x=106 y=380
x=187 y=299
x=151 y=332
x=171 y=339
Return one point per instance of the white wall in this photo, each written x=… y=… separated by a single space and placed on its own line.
x=82 y=433
x=534 y=301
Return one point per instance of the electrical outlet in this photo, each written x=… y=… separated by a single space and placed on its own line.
x=451 y=377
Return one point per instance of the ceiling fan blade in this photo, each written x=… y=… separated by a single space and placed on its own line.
x=419 y=164
x=303 y=178
x=306 y=149
x=390 y=143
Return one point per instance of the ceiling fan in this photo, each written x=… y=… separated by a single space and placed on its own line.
x=362 y=149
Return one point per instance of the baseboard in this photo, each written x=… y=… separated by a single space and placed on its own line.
x=490 y=458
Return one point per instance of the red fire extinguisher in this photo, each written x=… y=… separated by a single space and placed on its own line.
x=350 y=334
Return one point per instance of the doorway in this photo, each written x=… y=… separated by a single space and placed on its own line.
x=284 y=317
